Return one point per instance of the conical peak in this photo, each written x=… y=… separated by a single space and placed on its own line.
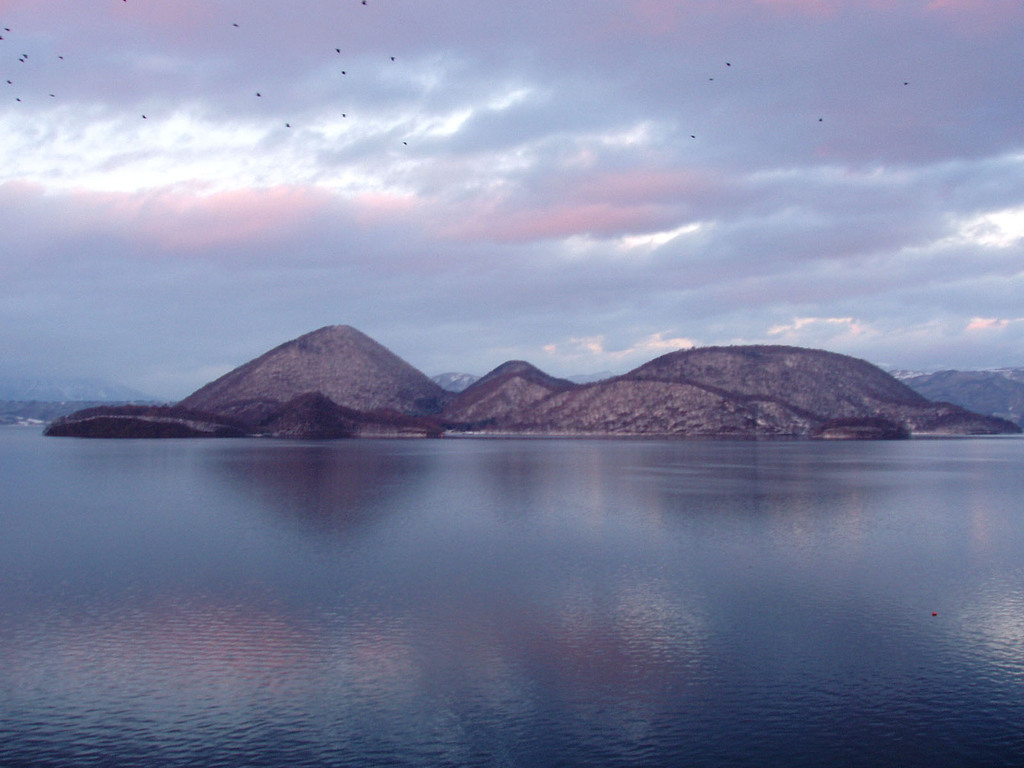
x=513 y=366
x=333 y=334
x=335 y=330
x=336 y=361
x=515 y=369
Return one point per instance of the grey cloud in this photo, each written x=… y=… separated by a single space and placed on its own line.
x=503 y=236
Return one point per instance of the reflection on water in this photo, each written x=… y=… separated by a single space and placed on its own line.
x=331 y=489
x=518 y=602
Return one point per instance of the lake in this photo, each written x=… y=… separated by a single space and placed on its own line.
x=511 y=602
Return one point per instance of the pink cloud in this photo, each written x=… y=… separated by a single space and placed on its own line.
x=979 y=17
x=991 y=323
x=661 y=17
x=378 y=208
x=170 y=220
x=819 y=327
x=181 y=13
x=966 y=16
x=803 y=7
x=184 y=222
x=602 y=204
x=989 y=8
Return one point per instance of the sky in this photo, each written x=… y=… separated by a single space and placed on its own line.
x=584 y=184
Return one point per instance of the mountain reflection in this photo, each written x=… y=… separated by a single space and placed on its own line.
x=334 y=489
x=470 y=602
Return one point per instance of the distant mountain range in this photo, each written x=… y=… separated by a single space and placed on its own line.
x=26 y=400
x=338 y=382
x=998 y=392
x=39 y=412
x=457 y=382
x=53 y=390
x=590 y=378
x=453 y=382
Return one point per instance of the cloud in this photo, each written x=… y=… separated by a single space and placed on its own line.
x=802 y=7
x=1000 y=229
x=804 y=328
x=651 y=240
x=178 y=223
x=657 y=344
x=170 y=221
x=978 y=17
x=594 y=351
x=992 y=323
x=604 y=180
x=588 y=345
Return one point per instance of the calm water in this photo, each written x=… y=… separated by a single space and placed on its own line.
x=511 y=603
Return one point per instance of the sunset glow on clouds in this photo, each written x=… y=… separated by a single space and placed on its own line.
x=992 y=323
x=584 y=185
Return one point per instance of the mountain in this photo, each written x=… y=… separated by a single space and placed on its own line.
x=142 y=421
x=314 y=416
x=996 y=393
x=25 y=400
x=337 y=382
x=746 y=391
x=310 y=416
x=1015 y=374
x=37 y=412
x=337 y=361
x=457 y=382
x=590 y=378
x=61 y=390
x=453 y=382
x=814 y=385
x=497 y=399
x=901 y=374
x=810 y=380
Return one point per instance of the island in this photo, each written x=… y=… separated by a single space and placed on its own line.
x=336 y=382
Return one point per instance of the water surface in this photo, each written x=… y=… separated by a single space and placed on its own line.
x=511 y=602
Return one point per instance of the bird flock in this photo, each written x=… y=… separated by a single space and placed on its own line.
x=15 y=83
x=8 y=40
